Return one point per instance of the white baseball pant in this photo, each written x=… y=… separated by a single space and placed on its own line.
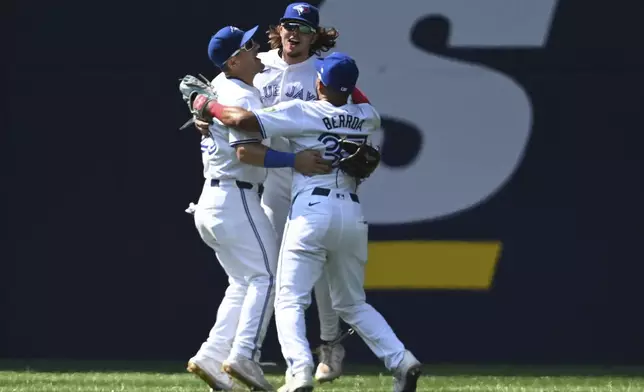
x=276 y=202
x=231 y=221
x=327 y=235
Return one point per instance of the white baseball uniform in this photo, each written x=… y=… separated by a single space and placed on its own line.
x=326 y=233
x=281 y=82
x=230 y=219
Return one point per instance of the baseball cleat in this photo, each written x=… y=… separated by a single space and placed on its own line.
x=284 y=388
x=209 y=371
x=300 y=382
x=248 y=372
x=330 y=366
x=287 y=379
x=407 y=373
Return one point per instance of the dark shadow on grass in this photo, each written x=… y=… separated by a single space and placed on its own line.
x=169 y=367
x=78 y=366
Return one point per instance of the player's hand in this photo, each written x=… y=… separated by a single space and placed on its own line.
x=310 y=162
x=202 y=127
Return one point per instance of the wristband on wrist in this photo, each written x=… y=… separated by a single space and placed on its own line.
x=215 y=109
x=275 y=158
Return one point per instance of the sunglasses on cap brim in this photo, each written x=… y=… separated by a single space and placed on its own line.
x=304 y=29
x=248 y=46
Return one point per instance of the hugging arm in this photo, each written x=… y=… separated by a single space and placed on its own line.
x=283 y=119
x=231 y=116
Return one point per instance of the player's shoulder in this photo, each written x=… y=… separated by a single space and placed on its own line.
x=266 y=56
x=217 y=80
x=270 y=58
x=316 y=108
x=284 y=105
x=226 y=87
x=234 y=93
x=246 y=99
x=366 y=108
x=369 y=112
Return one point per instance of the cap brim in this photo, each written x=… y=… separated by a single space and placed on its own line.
x=248 y=36
x=298 y=20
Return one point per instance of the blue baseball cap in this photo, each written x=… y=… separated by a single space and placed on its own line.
x=302 y=12
x=226 y=42
x=338 y=71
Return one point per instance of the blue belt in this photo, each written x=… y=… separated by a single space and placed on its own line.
x=240 y=184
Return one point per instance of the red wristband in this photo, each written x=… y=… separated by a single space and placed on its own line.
x=214 y=108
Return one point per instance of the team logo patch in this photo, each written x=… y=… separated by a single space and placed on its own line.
x=270 y=109
x=302 y=9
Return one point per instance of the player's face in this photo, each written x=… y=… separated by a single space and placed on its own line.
x=296 y=39
x=247 y=62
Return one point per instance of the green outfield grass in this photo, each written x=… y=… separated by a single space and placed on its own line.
x=58 y=376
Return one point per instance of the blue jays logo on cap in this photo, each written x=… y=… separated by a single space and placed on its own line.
x=338 y=71
x=302 y=9
x=303 y=13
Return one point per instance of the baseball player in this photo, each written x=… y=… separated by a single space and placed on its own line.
x=230 y=219
x=326 y=232
x=289 y=74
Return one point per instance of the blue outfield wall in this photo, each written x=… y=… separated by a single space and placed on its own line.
x=506 y=220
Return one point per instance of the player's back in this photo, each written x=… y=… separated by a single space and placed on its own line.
x=218 y=151
x=352 y=121
x=319 y=125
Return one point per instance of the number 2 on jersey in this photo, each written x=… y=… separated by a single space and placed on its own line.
x=331 y=141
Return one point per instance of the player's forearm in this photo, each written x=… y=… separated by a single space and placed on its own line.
x=251 y=153
x=257 y=154
x=235 y=117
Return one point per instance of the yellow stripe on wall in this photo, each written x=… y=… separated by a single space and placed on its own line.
x=460 y=265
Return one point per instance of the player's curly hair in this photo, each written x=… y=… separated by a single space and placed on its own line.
x=326 y=37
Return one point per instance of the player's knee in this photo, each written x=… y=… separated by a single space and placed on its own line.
x=287 y=297
x=263 y=285
x=348 y=311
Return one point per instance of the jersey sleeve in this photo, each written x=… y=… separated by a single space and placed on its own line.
x=372 y=115
x=377 y=119
x=284 y=119
x=236 y=137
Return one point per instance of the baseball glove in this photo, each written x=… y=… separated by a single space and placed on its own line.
x=192 y=87
x=362 y=160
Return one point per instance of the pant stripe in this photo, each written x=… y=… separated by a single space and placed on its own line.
x=268 y=270
x=280 y=334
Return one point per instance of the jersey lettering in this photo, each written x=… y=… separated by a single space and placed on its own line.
x=343 y=121
x=295 y=93
x=272 y=90
x=209 y=148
